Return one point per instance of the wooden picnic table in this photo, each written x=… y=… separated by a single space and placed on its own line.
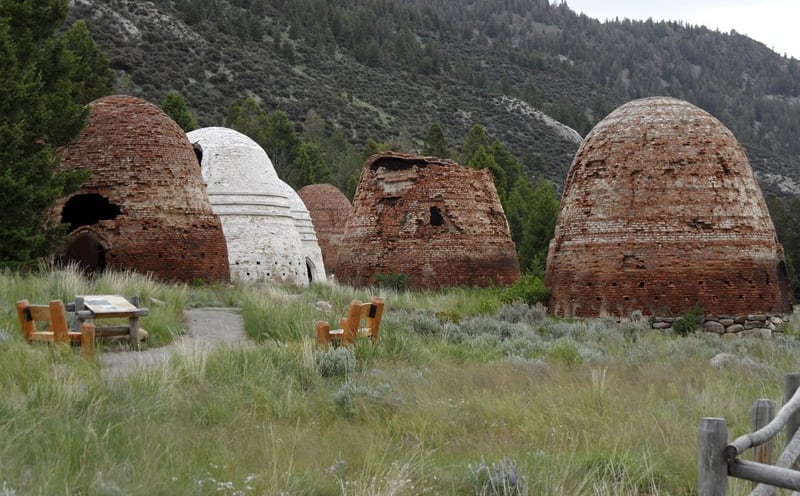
x=94 y=307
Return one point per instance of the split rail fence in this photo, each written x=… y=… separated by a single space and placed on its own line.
x=717 y=459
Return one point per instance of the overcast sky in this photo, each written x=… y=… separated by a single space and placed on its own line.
x=775 y=23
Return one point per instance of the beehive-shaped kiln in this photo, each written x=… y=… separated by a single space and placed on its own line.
x=144 y=208
x=432 y=220
x=329 y=209
x=259 y=212
x=660 y=213
x=315 y=266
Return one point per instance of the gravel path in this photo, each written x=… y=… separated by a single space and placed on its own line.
x=207 y=328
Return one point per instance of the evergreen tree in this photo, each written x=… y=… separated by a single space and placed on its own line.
x=541 y=225
x=476 y=138
x=280 y=140
x=43 y=85
x=481 y=159
x=434 y=143
x=371 y=147
x=310 y=166
x=175 y=107
x=507 y=162
x=248 y=118
x=274 y=132
x=532 y=213
x=517 y=210
x=90 y=72
x=786 y=219
x=314 y=126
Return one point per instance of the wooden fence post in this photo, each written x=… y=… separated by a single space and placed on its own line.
x=712 y=467
x=763 y=413
x=790 y=384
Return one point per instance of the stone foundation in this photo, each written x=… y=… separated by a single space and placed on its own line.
x=731 y=326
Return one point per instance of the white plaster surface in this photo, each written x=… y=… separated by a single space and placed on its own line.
x=308 y=236
x=257 y=214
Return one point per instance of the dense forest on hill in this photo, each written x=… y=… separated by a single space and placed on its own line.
x=387 y=70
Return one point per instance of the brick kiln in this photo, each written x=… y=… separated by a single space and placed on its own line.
x=144 y=208
x=431 y=219
x=661 y=212
x=329 y=209
x=266 y=224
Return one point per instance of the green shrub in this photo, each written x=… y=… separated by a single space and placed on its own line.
x=529 y=289
x=499 y=479
x=565 y=352
x=354 y=400
x=519 y=312
x=448 y=316
x=395 y=280
x=423 y=323
x=336 y=362
x=690 y=321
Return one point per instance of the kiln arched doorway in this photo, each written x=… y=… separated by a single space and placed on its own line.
x=86 y=249
x=310 y=268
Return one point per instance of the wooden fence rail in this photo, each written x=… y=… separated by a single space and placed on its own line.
x=717 y=460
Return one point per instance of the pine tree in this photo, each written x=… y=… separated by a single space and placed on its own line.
x=476 y=138
x=507 y=162
x=248 y=118
x=541 y=226
x=90 y=72
x=434 y=143
x=280 y=140
x=481 y=159
x=175 y=106
x=310 y=166
x=44 y=82
x=786 y=219
x=532 y=212
x=518 y=215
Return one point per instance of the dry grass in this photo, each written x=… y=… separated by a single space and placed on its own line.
x=557 y=408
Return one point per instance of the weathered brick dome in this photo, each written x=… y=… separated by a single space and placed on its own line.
x=329 y=209
x=267 y=227
x=660 y=213
x=436 y=222
x=144 y=208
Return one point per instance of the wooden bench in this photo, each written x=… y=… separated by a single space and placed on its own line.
x=56 y=329
x=368 y=314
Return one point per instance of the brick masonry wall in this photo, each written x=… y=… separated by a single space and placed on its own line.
x=142 y=162
x=329 y=209
x=437 y=222
x=660 y=213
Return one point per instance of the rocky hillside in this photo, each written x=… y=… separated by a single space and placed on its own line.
x=536 y=76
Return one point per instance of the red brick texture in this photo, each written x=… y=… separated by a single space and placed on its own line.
x=439 y=223
x=142 y=162
x=661 y=212
x=329 y=209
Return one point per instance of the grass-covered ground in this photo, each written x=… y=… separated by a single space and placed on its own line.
x=462 y=395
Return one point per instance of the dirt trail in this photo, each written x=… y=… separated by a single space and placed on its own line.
x=207 y=328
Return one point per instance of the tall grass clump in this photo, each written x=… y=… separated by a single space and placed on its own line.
x=165 y=302
x=270 y=313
